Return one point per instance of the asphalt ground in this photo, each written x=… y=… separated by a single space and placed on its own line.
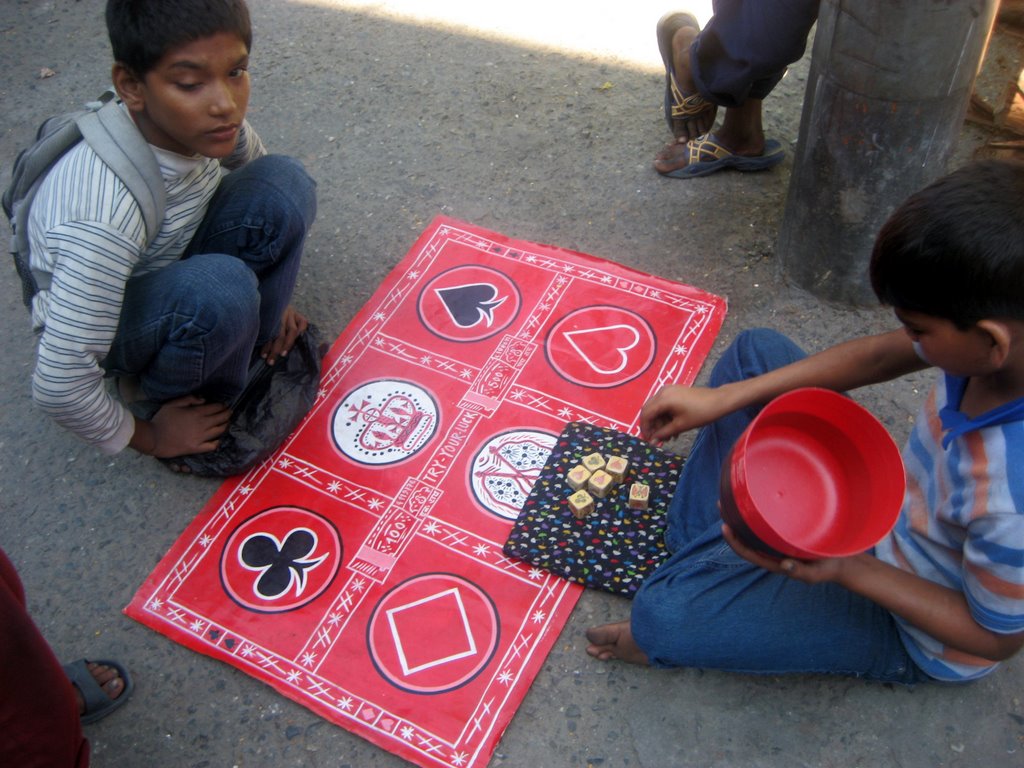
x=399 y=121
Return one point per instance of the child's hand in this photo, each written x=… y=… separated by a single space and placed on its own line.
x=677 y=408
x=809 y=571
x=186 y=425
x=293 y=324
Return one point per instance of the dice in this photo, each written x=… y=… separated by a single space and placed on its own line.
x=600 y=483
x=581 y=504
x=593 y=462
x=617 y=467
x=639 y=495
x=577 y=477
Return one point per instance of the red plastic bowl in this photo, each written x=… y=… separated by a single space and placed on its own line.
x=814 y=475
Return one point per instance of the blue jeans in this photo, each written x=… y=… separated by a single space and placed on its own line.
x=707 y=607
x=193 y=326
x=746 y=46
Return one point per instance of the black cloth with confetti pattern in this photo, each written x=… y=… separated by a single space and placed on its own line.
x=615 y=547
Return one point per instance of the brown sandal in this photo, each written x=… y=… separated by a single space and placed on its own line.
x=679 y=106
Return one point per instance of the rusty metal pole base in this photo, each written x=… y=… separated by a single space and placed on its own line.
x=888 y=89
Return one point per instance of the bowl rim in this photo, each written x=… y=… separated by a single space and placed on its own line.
x=759 y=525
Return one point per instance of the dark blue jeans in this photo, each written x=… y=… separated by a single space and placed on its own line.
x=193 y=326
x=708 y=607
x=743 y=51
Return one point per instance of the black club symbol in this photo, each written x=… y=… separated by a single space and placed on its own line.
x=282 y=566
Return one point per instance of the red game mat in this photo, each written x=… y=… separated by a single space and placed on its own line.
x=359 y=571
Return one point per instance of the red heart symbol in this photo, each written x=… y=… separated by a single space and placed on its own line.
x=604 y=349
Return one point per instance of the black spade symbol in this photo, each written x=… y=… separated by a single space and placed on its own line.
x=283 y=566
x=470 y=304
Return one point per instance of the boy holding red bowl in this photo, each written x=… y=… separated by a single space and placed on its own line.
x=942 y=596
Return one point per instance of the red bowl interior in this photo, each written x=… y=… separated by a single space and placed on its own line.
x=813 y=475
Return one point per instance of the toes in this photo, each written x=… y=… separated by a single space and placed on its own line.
x=673 y=152
x=596 y=635
x=107 y=678
x=604 y=635
x=114 y=688
x=672 y=157
x=600 y=652
x=694 y=127
x=101 y=673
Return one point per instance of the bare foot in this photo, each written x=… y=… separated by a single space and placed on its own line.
x=741 y=134
x=106 y=678
x=677 y=154
x=615 y=641
x=673 y=156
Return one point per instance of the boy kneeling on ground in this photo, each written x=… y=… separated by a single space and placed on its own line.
x=176 y=318
x=942 y=597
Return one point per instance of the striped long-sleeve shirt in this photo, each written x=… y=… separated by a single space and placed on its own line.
x=962 y=523
x=87 y=238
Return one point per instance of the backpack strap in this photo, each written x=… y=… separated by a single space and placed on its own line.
x=112 y=134
x=114 y=137
x=30 y=168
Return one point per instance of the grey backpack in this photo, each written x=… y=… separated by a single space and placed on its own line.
x=108 y=129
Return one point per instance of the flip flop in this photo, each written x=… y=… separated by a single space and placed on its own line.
x=678 y=105
x=707 y=156
x=97 y=703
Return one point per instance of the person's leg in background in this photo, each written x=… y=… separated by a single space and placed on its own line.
x=734 y=62
x=39 y=714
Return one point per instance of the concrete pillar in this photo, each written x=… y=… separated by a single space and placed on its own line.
x=889 y=85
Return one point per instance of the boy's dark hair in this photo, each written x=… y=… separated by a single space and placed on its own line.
x=955 y=249
x=143 y=31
